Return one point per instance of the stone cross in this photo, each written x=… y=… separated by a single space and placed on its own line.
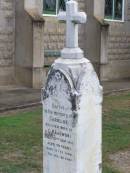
x=72 y=18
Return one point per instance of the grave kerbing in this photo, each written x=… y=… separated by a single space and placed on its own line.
x=72 y=107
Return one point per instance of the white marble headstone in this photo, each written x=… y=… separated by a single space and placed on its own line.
x=72 y=114
x=72 y=118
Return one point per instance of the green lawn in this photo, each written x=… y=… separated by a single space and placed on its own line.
x=21 y=143
x=21 y=136
x=116 y=127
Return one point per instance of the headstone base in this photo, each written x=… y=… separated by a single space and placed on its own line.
x=72 y=118
x=72 y=53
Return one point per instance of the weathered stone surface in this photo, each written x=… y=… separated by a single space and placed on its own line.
x=29 y=54
x=38 y=54
x=7 y=41
x=34 y=8
x=99 y=7
x=7 y=23
x=72 y=118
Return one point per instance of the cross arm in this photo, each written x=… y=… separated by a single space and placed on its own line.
x=79 y=17
x=62 y=16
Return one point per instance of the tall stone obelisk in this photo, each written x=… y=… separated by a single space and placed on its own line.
x=72 y=107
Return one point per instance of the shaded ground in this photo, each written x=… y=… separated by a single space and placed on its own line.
x=14 y=98
x=116 y=85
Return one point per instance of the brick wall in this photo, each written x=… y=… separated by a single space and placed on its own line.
x=7 y=23
x=53 y=34
x=119 y=42
x=118 y=49
x=118 y=52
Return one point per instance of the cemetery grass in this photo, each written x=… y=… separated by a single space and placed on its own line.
x=116 y=128
x=21 y=136
x=21 y=142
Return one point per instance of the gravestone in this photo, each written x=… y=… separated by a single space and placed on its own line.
x=72 y=107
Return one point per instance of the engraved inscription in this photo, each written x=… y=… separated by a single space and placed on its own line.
x=58 y=133
x=59 y=118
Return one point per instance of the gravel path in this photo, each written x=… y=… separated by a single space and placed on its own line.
x=121 y=160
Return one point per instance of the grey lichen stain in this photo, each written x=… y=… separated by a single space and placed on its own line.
x=55 y=78
x=100 y=167
x=75 y=106
x=75 y=119
x=49 y=89
x=73 y=100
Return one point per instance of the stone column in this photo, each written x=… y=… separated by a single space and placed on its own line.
x=38 y=54
x=34 y=9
